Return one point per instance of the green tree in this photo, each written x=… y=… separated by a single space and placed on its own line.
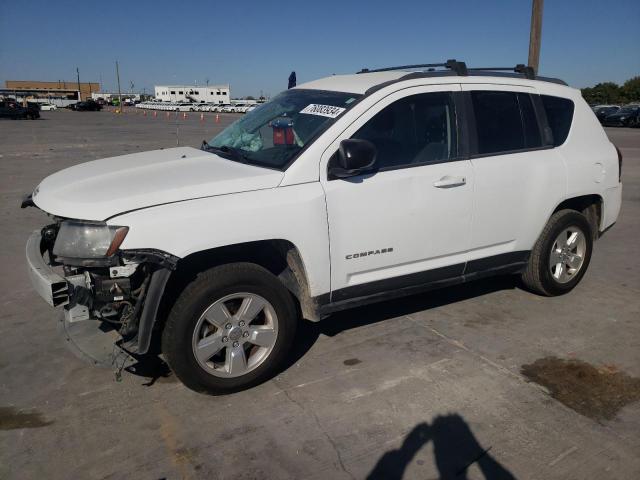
x=631 y=89
x=607 y=92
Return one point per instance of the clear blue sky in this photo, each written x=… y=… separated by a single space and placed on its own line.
x=255 y=45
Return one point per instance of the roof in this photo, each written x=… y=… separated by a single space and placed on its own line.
x=356 y=83
x=366 y=82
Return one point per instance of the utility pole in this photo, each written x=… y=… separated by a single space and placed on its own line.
x=535 y=34
x=79 y=94
x=119 y=92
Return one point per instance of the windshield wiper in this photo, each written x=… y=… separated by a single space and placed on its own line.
x=235 y=153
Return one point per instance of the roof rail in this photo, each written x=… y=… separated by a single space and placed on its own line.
x=521 y=68
x=459 y=68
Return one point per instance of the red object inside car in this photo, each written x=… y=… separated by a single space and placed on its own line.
x=283 y=136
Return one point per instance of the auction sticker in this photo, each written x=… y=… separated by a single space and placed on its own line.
x=323 y=110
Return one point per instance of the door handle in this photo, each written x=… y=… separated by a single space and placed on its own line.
x=449 y=182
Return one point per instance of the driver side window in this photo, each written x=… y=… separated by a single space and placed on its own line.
x=415 y=130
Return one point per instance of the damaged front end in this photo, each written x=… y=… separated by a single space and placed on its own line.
x=110 y=296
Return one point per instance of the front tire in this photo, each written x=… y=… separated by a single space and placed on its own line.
x=230 y=329
x=561 y=255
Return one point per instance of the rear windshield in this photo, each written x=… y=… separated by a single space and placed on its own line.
x=559 y=115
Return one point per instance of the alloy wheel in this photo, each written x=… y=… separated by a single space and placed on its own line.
x=235 y=335
x=567 y=254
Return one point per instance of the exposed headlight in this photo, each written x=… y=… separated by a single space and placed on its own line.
x=88 y=240
x=622 y=118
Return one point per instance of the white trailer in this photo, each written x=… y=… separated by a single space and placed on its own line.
x=190 y=93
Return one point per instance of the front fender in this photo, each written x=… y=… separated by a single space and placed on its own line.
x=295 y=213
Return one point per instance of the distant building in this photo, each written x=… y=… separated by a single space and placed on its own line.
x=189 y=93
x=62 y=90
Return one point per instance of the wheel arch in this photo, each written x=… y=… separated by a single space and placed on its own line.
x=280 y=257
x=591 y=206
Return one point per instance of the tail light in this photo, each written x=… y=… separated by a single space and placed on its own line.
x=619 y=164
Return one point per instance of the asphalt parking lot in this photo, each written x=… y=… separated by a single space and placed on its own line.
x=425 y=387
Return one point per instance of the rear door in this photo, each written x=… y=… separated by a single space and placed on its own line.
x=519 y=178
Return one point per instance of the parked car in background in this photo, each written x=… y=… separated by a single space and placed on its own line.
x=33 y=109
x=185 y=107
x=205 y=107
x=45 y=107
x=627 y=116
x=229 y=109
x=13 y=110
x=220 y=107
x=606 y=110
x=87 y=106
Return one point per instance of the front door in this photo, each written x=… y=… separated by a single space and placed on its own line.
x=410 y=222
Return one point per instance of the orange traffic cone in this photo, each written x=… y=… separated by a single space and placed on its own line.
x=184 y=115
x=155 y=114
x=144 y=113
x=202 y=117
x=168 y=114
x=217 y=118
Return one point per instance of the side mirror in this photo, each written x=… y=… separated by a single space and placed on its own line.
x=354 y=157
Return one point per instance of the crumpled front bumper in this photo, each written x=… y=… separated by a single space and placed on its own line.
x=50 y=286
x=90 y=337
x=87 y=338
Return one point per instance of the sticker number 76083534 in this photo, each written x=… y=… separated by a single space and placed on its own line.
x=322 y=110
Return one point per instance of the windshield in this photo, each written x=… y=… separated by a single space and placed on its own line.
x=271 y=135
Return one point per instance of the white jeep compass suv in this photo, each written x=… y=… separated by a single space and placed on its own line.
x=342 y=191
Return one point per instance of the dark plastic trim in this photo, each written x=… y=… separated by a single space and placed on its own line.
x=357 y=295
x=395 y=283
x=159 y=280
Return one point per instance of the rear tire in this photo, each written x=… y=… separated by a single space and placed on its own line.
x=561 y=255
x=215 y=313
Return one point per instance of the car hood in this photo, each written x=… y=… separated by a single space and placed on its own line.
x=103 y=188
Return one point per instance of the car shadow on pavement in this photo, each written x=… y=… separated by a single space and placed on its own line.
x=455 y=449
x=152 y=368
x=308 y=332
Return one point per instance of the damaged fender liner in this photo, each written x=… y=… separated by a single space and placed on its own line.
x=159 y=278
x=151 y=255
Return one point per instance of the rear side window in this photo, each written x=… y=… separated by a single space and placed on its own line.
x=505 y=122
x=559 y=115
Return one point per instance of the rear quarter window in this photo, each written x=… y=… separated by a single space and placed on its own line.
x=559 y=115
